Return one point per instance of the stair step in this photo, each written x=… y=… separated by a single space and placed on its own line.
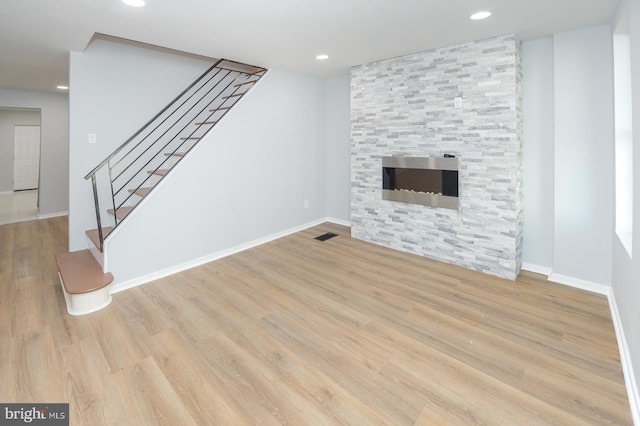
x=174 y=154
x=159 y=172
x=141 y=192
x=191 y=138
x=242 y=68
x=81 y=272
x=235 y=95
x=220 y=109
x=206 y=122
x=121 y=212
x=95 y=238
x=84 y=284
x=246 y=82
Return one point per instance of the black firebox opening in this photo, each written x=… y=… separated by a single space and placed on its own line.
x=441 y=182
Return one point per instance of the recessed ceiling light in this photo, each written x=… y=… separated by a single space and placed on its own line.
x=480 y=15
x=322 y=57
x=62 y=87
x=134 y=3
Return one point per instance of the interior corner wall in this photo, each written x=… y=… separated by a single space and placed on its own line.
x=538 y=153
x=338 y=148
x=54 y=148
x=9 y=118
x=584 y=156
x=626 y=269
x=115 y=89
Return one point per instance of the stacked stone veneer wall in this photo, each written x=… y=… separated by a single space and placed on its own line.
x=405 y=107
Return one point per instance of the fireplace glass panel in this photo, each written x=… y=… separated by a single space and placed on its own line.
x=428 y=181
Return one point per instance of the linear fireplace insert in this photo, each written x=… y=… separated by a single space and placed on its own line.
x=429 y=181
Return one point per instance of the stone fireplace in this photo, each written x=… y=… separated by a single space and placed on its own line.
x=463 y=99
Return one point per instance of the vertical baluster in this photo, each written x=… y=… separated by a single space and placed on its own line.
x=113 y=196
x=97 y=205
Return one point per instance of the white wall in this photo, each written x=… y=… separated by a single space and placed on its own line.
x=538 y=154
x=247 y=180
x=583 y=191
x=115 y=89
x=568 y=114
x=9 y=118
x=626 y=270
x=54 y=153
x=338 y=148
x=568 y=157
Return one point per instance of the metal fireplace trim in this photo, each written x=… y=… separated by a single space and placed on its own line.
x=421 y=198
x=428 y=163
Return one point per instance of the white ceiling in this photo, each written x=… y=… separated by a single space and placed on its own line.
x=36 y=35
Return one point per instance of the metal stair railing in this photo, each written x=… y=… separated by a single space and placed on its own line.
x=164 y=140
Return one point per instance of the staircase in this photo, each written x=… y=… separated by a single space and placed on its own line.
x=134 y=170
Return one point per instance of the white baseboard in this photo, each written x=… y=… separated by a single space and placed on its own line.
x=625 y=359
x=35 y=217
x=117 y=287
x=536 y=269
x=339 y=221
x=578 y=283
x=566 y=280
x=50 y=215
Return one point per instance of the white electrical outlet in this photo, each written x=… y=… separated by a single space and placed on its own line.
x=457 y=102
x=92 y=138
x=306 y=204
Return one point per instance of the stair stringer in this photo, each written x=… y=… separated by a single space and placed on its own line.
x=171 y=215
x=232 y=188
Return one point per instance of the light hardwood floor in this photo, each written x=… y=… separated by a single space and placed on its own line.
x=303 y=332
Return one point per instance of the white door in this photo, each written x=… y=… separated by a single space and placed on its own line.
x=26 y=157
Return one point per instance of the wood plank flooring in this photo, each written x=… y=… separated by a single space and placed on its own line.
x=304 y=332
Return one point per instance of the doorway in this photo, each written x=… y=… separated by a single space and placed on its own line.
x=19 y=164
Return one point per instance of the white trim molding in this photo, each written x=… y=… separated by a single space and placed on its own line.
x=537 y=269
x=117 y=287
x=51 y=215
x=578 y=283
x=339 y=221
x=625 y=359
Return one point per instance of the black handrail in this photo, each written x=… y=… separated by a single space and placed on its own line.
x=175 y=136
x=163 y=134
x=229 y=98
x=121 y=147
x=161 y=123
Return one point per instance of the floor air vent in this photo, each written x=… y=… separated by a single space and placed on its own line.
x=325 y=237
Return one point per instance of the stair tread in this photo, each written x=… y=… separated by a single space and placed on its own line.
x=220 y=109
x=141 y=192
x=95 y=238
x=81 y=273
x=235 y=95
x=121 y=212
x=175 y=154
x=159 y=172
x=191 y=138
x=206 y=122
x=246 y=82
